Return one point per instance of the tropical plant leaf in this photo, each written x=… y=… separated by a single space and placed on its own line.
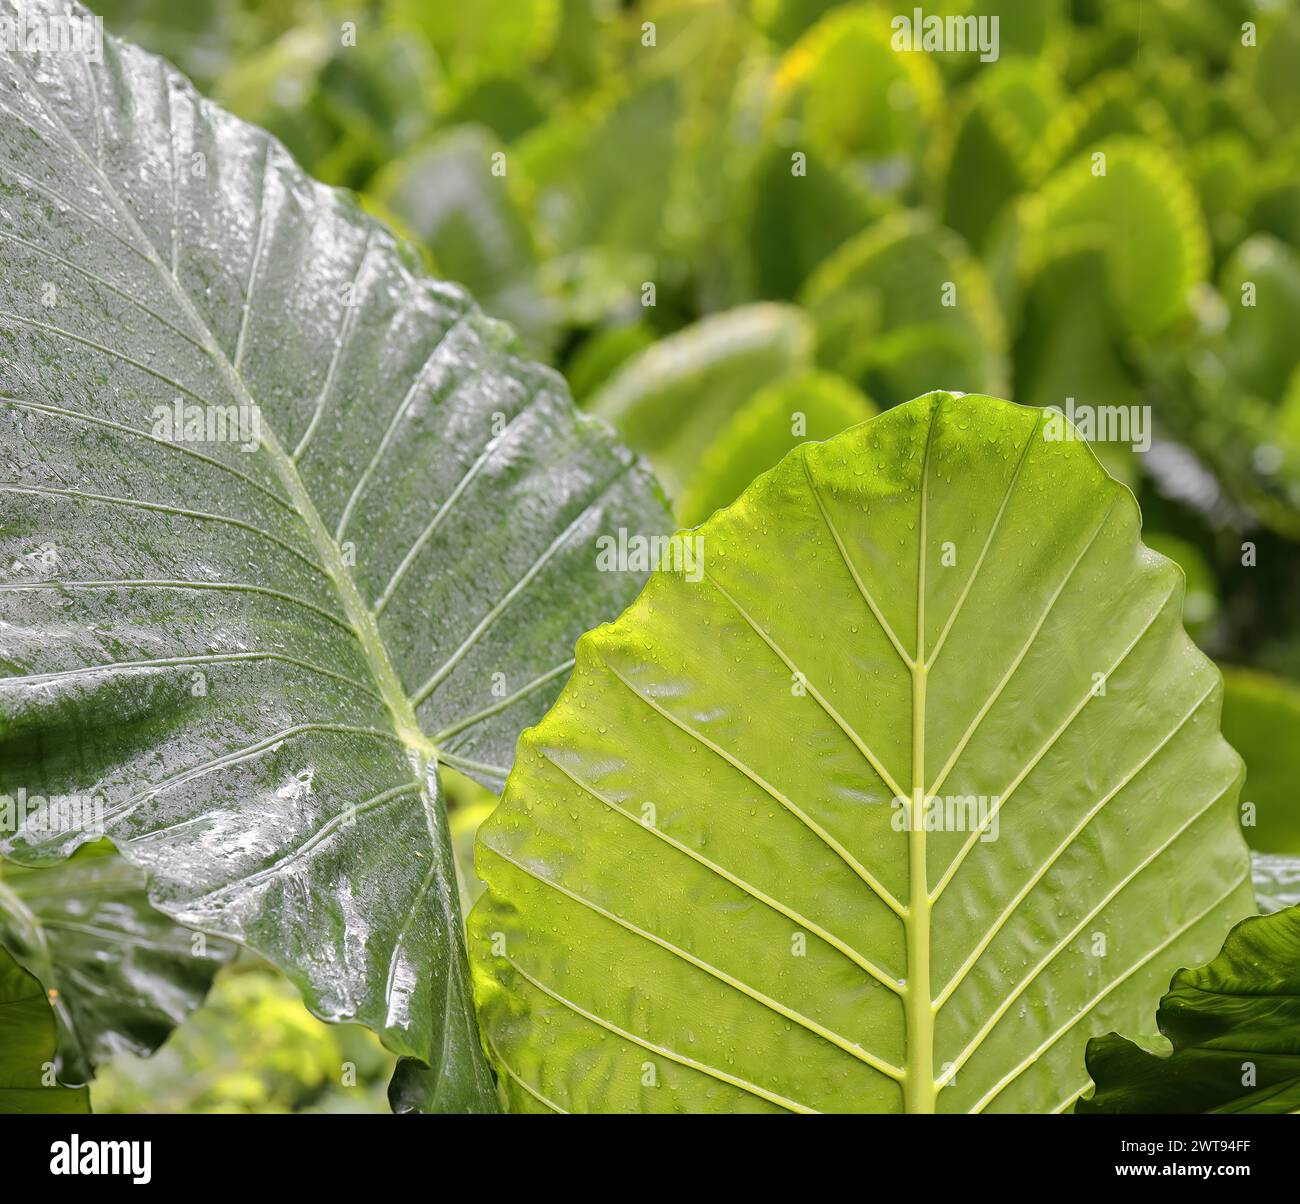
x=1201 y=599
x=446 y=196
x=120 y=975
x=674 y=398
x=27 y=1039
x=1113 y=106
x=1146 y=216
x=989 y=155
x=698 y=894
x=776 y=419
x=254 y=654
x=790 y=222
x=1261 y=720
x=1235 y=1029
x=853 y=98
x=903 y=307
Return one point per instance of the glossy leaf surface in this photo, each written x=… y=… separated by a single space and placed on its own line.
x=1235 y=1029
x=121 y=975
x=254 y=646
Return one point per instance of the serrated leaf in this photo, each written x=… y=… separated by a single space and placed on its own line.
x=904 y=307
x=120 y=974
x=1235 y=1029
x=988 y=161
x=771 y=423
x=672 y=399
x=1141 y=209
x=1114 y=106
x=853 y=97
x=256 y=651
x=699 y=896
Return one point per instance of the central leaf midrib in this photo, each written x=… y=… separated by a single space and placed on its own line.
x=919 y=1086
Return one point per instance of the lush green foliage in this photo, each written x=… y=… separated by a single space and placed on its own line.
x=732 y=225
x=265 y=676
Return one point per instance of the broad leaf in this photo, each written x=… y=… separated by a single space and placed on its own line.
x=1261 y=719
x=700 y=896
x=676 y=396
x=903 y=305
x=120 y=975
x=27 y=1039
x=253 y=653
x=776 y=419
x=1235 y=1029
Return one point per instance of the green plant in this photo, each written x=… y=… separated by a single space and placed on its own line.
x=27 y=1040
x=1232 y=1029
x=728 y=872
x=254 y=440
x=733 y=226
x=119 y=974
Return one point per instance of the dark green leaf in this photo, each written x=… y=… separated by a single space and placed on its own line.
x=1235 y=1029
x=255 y=653
x=121 y=975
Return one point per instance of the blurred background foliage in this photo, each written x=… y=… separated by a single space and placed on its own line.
x=732 y=225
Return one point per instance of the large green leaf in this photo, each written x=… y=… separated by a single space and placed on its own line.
x=1234 y=1025
x=447 y=196
x=1261 y=719
x=120 y=974
x=255 y=654
x=675 y=397
x=776 y=419
x=698 y=894
x=27 y=1039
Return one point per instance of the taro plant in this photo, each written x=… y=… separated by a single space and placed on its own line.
x=308 y=527
x=913 y=788
x=905 y=792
